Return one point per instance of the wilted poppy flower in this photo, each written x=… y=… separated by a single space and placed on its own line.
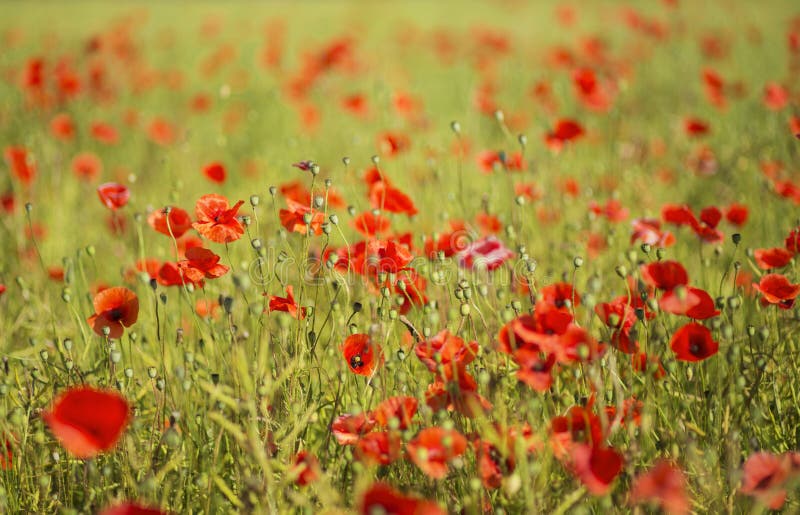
x=776 y=289
x=596 y=466
x=179 y=221
x=348 y=429
x=369 y=224
x=201 y=264
x=663 y=485
x=87 y=421
x=87 y=166
x=764 y=477
x=216 y=220
x=382 y=498
x=306 y=468
x=361 y=354
x=693 y=342
x=130 y=508
x=776 y=257
x=115 y=308
x=113 y=195
x=287 y=304
x=433 y=448
x=487 y=252
x=664 y=275
x=215 y=172
x=401 y=408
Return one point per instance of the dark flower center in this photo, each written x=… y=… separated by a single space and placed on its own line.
x=356 y=362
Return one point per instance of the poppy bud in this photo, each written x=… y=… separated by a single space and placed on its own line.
x=315 y=169
x=152 y=372
x=273 y=190
x=346 y=161
x=465 y=310
x=499 y=116
x=621 y=271
x=326 y=228
x=660 y=253
x=516 y=305
x=577 y=262
x=254 y=200
x=28 y=207
x=90 y=250
x=319 y=202
x=375 y=160
x=357 y=307
x=334 y=219
x=129 y=373
x=646 y=248
x=736 y=238
x=351 y=210
x=763 y=333
x=256 y=243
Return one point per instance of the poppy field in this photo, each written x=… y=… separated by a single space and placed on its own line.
x=400 y=258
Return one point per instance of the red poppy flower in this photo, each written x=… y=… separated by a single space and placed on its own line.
x=401 y=408
x=664 y=275
x=764 y=477
x=620 y=316
x=446 y=349
x=379 y=448
x=596 y=467
x=306 y=468
x=201 y=264
x=113 y=195
x=389 y=256
x=356 y=105
x=130 y=508
x=794 y=126
x=489 y=224
x=62 y=127
x=170 y=274
x=87 y=166
x=115 y=308
x=216 y=220
x=678 y=215
x=560 y=296
x=641 y=363
x=737 y=214
x=776 y=257
x=287 y=304
x=693 y=342
x=361 y=354
x=294 y=218
x=215 y=172
x=460 y=394
x=2 y=289
x=369 y=224
x=393 y=143
x=104 y=133
x=665 y=486
x=563 y=132
x=579 y=425
x=382 y=498
x=348 y=429
x=792 y=242
x=21 y=164
x=388 y=198
x=695 y=127
x=776 y=97
x=535 y=368
x=433 y=448
x=179 y=221
x=488 y=252
x=613 y=210
x=690 y=301
x=776 y=289
x=88 y=421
